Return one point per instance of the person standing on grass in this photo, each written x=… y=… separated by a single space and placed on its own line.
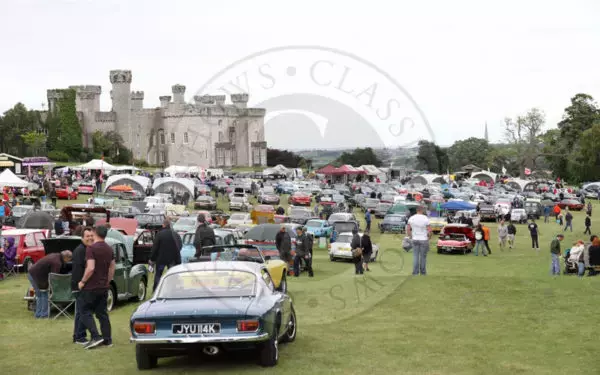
x=419 y=230
x=533 y=232
x=512 y=232
x=546 y=214
x=486 y=238
x=166 y=251
x=502 y=235
x=555 y=252
x=356 y=243
x=479 y=241
x=368 y=219
x=99 y=271
x=367 y=247
x=302 y=254
x=556 y=211
x=589 y=209
x=568 y=220
x=588 y=224
x=87 y=239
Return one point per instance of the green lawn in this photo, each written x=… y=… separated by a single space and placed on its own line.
x=502 y=314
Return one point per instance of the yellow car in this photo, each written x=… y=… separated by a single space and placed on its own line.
x=437 y=224
x=278 y=268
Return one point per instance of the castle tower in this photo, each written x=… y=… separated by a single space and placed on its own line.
x=137 y=100
x=88 y=98
x=164 y=101
x=53 y=96
x=121 y=102
x=486 y=133
x=178 y=93
x=239 y=100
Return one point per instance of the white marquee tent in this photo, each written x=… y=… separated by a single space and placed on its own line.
x=96 y=164
x=7 y=178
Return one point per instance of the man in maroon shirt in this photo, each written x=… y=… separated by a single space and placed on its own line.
x=99 y=271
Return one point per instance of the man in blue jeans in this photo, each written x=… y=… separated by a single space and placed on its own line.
x=87 y=239
x=38 y=277
x=555 y=252
x=419 y=230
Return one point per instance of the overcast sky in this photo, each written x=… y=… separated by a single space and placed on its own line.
x=463 y=63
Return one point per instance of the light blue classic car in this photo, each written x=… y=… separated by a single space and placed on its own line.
x=188 y=250
x=209 y=307
x=319 y=228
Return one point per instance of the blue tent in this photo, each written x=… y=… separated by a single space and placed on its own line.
x=458 y=206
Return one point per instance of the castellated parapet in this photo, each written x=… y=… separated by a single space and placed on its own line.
x=120 y=76
x=137 y=95
x=239 y=100
x=164 y=100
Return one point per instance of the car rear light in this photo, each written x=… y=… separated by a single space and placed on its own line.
x=247 y=325
x=31 y=292
x=144 y=328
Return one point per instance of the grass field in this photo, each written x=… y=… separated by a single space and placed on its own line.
x=503 y=314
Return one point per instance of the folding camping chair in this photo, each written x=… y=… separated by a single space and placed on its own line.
x=60 y=294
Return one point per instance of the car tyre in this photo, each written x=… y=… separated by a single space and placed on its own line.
x=332 y=258
x=111 y=299
x=269 y=352
x=144 y=360
x=290 y=334
x=283 y=284
x=142 y=289
x=439 y=250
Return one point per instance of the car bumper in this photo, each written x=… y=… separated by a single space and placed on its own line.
x=199 y=340
x=341 y=254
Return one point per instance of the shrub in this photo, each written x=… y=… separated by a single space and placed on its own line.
x=58 y=156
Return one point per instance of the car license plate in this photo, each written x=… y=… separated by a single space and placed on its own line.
x=395 y=227
x=345 y=249
x=197 y=329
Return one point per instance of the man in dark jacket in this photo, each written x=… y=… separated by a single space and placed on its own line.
x=205 y=235
x=87 y=239
x=512 y=231
x=302 y=254
x=569 y=220
x=283 y=241
x=588 y=224
x=166 y=250
x=356 y=243
x=38 y=277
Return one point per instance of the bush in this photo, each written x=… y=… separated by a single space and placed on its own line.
x=58 y=156
x=140 y=163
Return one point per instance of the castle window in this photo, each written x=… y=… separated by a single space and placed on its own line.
x=220 y=157
x=162 y=137
x=220 y=136
x=232 y=135
x=257 y=136
x=173 y=138
x=220 y=123
x=185 y=138
x=151 y=140
x=162 y=157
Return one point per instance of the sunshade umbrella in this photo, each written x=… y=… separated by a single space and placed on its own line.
x=36 y=220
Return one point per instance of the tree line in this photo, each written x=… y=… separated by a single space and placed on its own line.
x=570 y=151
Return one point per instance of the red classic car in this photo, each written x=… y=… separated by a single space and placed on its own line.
x=454 y=242
x=66 y=193
x=86 y=188
x=574 y=205
x=29 y=245
x=300 y=199
x=459 y=229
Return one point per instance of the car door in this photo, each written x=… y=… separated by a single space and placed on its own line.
x=143 y=247
x=120 y=277
x=281 y=300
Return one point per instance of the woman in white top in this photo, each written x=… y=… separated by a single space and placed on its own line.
x=576 y=251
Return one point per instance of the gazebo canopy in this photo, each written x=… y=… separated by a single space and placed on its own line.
x=347 y=169
x=328 y=169
x=485 y=175
x=97 y=164
x=7 y=178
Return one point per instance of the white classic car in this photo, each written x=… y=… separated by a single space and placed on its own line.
x=241 y=219
x=340 y=249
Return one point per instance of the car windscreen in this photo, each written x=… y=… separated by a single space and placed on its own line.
x=300 y=213
x=344 y=227
x=338 y=217
x=207 y=284
x=372 y=201
x=185 y=221
x=313 y=224
x=346 y=238
x=394 y=219
x=237 y=200
x=21 y=210
x=237 y=217
x=204 y=198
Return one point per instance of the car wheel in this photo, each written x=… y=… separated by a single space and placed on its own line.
x=290 y=335
x=283 y=284
x=142 y=288
x=27 y=264
x=331 y=258
x=439 y=250
x=111 y=299
x=269 y=353
x=144 y=360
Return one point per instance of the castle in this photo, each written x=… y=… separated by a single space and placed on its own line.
x=208 y=133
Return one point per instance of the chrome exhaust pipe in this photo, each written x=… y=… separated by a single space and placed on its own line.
x=211 y=350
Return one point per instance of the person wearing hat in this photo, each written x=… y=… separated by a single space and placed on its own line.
x=555 y=252
x=205 y=235
x=302 y=254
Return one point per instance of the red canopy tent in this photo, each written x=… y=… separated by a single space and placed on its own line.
x=347 y=169
x=328 y=169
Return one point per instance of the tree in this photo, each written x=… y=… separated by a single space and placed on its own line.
x=70 y=128
x=286 y=158
x=432 y=158
x=358 y=157
x=586 y=157
x=111 y=145
x=35 y=141
x=524 y=134
x=469 y=151
x=580 y=116
x=15 y=122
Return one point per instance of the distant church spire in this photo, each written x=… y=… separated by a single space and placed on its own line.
x=486 y=133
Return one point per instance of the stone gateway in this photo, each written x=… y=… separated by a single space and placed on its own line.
x=206 y=133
